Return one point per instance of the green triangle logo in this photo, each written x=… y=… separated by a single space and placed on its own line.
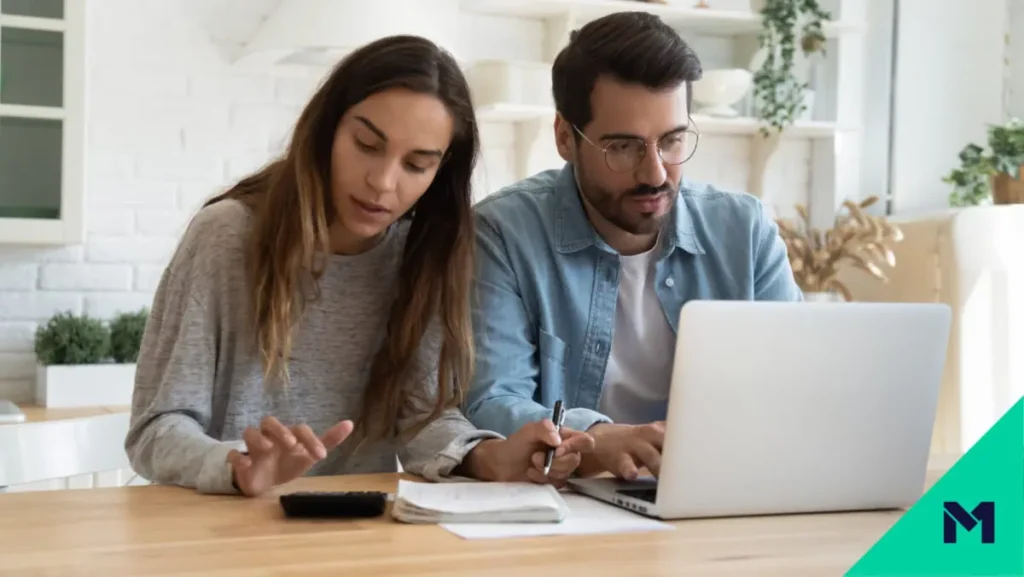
x=971 y=521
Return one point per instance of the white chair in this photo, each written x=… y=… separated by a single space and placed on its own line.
x=970 y=260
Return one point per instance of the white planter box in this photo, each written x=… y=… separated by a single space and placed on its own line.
x=64 y=386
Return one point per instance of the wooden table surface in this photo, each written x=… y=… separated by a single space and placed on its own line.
x=158 y=530
x=35 y=414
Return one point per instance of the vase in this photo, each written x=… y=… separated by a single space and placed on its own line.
x=1008 y=190
x=68 y=386
x=823 y=297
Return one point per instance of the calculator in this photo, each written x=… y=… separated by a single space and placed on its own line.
x=334 y=504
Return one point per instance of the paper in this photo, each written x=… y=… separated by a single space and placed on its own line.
x=476 y=502
x=462 y=498
x=586 y=516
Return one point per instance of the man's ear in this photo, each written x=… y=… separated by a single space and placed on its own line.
x=565 y=139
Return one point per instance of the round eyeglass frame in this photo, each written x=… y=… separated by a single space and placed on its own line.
x=691 y=130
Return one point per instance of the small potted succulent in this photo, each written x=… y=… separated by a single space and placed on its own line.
x=82 y=361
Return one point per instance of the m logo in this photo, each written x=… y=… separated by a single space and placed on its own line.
x=954 y=514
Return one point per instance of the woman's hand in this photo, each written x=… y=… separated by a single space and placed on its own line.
x=278 y=454
x=521 y=456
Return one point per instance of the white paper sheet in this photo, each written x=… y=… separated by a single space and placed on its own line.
x=587 y=516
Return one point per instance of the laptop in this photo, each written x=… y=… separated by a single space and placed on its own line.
x=784 y=408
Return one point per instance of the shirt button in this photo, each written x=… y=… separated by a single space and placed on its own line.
x=669 y=282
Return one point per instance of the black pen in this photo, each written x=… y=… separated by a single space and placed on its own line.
x=557 y=417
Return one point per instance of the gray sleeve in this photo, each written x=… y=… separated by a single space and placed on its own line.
x=440 y=446
x=167 y=441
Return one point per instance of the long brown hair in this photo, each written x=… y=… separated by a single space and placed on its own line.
x=291 y=203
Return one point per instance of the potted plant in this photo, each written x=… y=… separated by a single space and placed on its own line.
x=856 y=239
x=991 y=176
x=126 y=331
x=73 y=364
x=780 y=94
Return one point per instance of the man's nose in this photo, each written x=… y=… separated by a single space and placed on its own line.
x=651 y=170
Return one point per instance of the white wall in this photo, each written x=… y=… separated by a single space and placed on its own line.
x=169 y=122
x=949 y=85
x=1015 y=54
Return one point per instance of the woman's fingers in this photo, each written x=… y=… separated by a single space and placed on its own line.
x=241 y=468
x=239 y=462
x=255 y=442
x=278 y=433
x=306 y=438
x=337 y=434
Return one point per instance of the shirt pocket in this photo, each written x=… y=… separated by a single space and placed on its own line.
x=553 y=353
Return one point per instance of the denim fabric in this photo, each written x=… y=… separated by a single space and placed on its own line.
x=546 y=287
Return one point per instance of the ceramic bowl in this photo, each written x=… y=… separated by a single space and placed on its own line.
x=719 y=90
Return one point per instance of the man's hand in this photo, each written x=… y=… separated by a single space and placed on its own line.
x=278 y=454
x=623 y=449
x=520 y=457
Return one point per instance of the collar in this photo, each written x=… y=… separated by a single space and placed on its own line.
x=573 y=231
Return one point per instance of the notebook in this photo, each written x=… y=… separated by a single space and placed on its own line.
x=476 y=502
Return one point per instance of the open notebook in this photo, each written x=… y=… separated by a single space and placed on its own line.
x=475 y=502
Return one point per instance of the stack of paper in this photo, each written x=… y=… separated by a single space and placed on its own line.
x=475 y=502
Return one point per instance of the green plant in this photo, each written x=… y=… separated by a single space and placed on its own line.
x=126 y=335
x=972 y=181
x=778 y=93
x=67 y=339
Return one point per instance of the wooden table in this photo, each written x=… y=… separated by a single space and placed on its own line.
x=156 y=530
x=37 y=414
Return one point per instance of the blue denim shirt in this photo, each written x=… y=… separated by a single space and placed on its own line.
x=546 y=288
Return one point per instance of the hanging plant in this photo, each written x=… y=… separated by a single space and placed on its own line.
x=778 y=93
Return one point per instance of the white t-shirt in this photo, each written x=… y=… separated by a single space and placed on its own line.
x=636 y=380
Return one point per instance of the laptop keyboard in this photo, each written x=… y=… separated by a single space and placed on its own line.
x=649 y=495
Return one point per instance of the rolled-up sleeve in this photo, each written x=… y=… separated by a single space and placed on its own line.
x=442 y=444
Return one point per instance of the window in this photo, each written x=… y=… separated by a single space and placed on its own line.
x=41 y=121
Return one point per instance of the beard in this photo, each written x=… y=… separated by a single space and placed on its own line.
x=619 y=209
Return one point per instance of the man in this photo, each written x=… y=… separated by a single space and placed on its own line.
x=582 y=271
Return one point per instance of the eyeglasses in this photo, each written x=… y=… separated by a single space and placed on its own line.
x=625 y=154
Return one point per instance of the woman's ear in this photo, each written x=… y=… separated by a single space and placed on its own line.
x=564 y=139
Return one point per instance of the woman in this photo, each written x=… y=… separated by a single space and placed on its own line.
x=326 y=296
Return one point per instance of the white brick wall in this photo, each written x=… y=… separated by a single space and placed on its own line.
x=170 y=122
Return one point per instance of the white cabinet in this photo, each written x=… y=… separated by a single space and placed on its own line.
x=42 y=121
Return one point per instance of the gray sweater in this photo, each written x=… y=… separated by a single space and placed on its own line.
x=199 y=380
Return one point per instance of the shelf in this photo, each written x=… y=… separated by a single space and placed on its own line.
x=749 y=126
x=22 y=111
x=508 y=112
x=33 y=23
x=703 y=20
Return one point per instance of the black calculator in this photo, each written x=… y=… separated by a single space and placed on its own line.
x=334 y=504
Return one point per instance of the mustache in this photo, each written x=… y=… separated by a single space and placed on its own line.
x=648 y=190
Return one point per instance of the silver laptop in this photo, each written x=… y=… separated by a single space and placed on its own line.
x=782 y=408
